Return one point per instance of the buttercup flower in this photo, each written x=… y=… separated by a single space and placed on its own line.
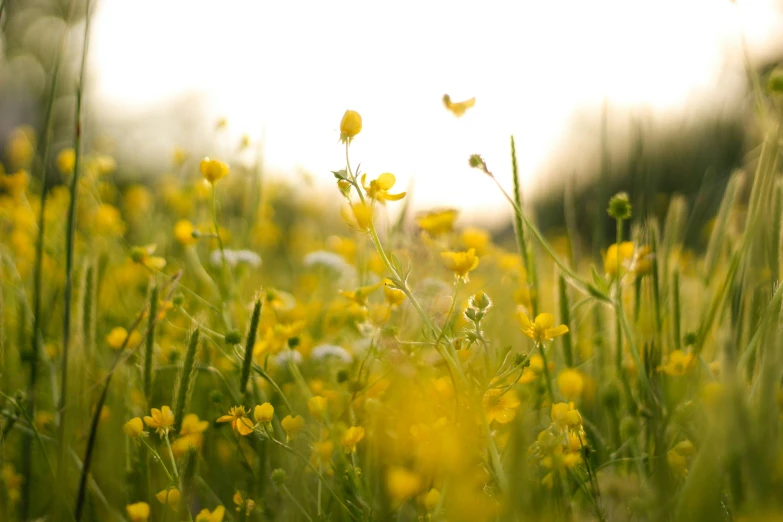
x=317 y=407
x=138 y=512
x=161 y=419
x=183 y=231
x=215 y=516
x=66 y=160
x=264 y=412
x=134 y=428
x=458 y=108
x=352 y=437
x=170 y=497
x=543 y=328
x=240 y=423
x=350 y=125
x=437 y=222
x=460 y=262
x=213 y=170
x=292 y=425
x=571 y=383
x=378 y=189
x=499 y=406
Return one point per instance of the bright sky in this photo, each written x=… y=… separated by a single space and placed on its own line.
x=288 y=70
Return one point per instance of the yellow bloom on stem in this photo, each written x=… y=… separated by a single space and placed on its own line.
x=350 y=125
x=317 y=406
x=170 y=497
x=460 y=262
x=117 y=337
x=240 y=423
x=402 y=483
x=564 y=415
x=66 y=160
x=214 y=516
x=351 y=437
x=162 y=420
x=292 y=425
x=499 y=406
x=437 y=222
x=571 y=383
x=678 y=363
x=360 y=295
x=183 y=232
x=628 y=257
x=478 y=238
x=138 y=512
x=134 y=428
x=458 y=108
x=432 y=500
x=393 y=295
x=213 y=170
x=358 y=216
x=378 y=189
x=264 y=412
x=143 y=256
x=15 y=183
x=191 y=425
x=543 y=328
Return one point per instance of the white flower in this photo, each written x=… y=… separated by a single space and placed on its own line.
x=283 y=357
x=325 y=259
x=235 y=257
x=324 y=351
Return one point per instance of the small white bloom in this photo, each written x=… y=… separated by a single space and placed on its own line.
x=235 y=257
x=283 y=357
x=325 y=351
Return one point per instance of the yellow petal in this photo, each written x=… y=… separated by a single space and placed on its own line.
x=386 y=181
x=545 y=321
x=556 y=331
x=226 y=418
x=244 y=426
x=525 y=321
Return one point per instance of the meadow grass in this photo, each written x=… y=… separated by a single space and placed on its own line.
x=190 y=350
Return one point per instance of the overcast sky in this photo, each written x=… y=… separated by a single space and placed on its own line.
x=289 y=70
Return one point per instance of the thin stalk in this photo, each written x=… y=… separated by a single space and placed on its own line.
x=297 y=503
x=519 y=231
x=36 y=340
x=70 y=239
x=149 y=346
x=250 y=344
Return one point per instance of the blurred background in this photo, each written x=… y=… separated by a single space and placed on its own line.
x=650 y=97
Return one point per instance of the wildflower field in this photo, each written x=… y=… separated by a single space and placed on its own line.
x=209 y=346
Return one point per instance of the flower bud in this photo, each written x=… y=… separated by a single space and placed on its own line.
x=350 y=125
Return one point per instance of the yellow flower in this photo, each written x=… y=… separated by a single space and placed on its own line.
x=215 y=516
x=162 y=420
x=432 y=500
x=500 y=406
x=292 y=425
x=458 y=108
x=629 y=258
x=183 y=231
x=138 y=512
x=191 y=425
x=143 y=256
x=350 y=125
x=543 y=328
x=571 y=383
x=460 y=262
x=564 y=415
x=322 y=453
x=437 y=222
x=264 y=412
x=402 y=483
x=677 y=363
x=213 y=170
x=134 y=428
x=15 y=183
x=117 y=337
x=352 y=437
x=66 y=160
x=240 y=423
x=170 y=497
x=358 y=216
x=360 y=295
x=21 y=146
x=478 y=238
x=317 y=407
x=393 y=295
x=378 y=189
